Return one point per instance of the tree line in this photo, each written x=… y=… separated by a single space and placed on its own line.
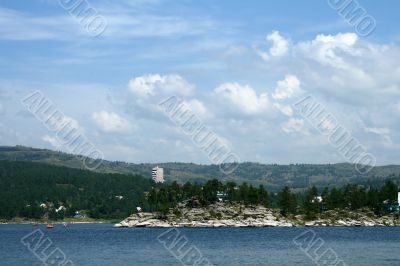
x=309 y=202
x=36 y=190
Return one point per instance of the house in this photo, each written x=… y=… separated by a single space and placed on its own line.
x=221 y=196
x=390 y=207
x=78 y=215
x=317 y=199
x=61 y=208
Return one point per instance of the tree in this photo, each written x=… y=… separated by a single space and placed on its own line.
x=334 y=199
x=231 y=191
x=210 y=190
x=262 y=196
x=252 y=195
x=354 y=196
x=244 y=192
x=389 y=192
x=287 y=202
x=373 y=200
x=311 y=204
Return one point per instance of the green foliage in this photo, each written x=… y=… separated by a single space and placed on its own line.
x=206 y=194
x=287 y=202
x=352 y=197
x=311 y=204
x=26 y=185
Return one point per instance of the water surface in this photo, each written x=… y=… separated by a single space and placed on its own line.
x=101 y=244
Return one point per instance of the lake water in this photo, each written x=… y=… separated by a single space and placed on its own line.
x=101 y=244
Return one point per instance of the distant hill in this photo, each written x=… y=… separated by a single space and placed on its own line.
x=272 y=176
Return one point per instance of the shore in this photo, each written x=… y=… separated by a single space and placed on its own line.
x=237 y=215
x=67 y=220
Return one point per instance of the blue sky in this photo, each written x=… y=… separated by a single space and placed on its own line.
x=241 y=65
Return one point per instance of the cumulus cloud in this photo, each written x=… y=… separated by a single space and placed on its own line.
x=279 y=46
x=197 y=107
x=111 y=122
x=286 y=88
x=339 y=65
x=242 y=98
x=328 y=49
x=152 y=84
x=356 y=79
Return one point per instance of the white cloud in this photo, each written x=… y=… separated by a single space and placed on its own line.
x=279 y=46
x=285 y=109
x=16 y=25
x=294 y=125
x=123 y=22
x=152 y=84
x=197 y=107
x=328 y=50
x=378 y=130
x=286 y=88
x=52 y=140
x=356 y=79
x=242 y=98
x=384 y=132
x=59 y=122
x=111 y=122
x=144 y=85
x=343 y=68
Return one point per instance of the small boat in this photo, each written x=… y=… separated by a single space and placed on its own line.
x=65 y=224
x=50 y=226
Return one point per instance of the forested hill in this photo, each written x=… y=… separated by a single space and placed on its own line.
x=25 y=186
x=272 y=176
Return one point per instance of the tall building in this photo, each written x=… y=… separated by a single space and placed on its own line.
x=158 y=174
x=398 y=198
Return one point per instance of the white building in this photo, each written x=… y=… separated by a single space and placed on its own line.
x=158 y=174
x=318 y=199
x=398 y=198
x=61 y=208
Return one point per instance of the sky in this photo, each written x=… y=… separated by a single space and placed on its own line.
x=239 y=66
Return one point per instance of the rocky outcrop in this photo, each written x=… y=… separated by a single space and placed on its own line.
x=236 y=215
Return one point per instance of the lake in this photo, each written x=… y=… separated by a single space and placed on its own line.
x=101 y=244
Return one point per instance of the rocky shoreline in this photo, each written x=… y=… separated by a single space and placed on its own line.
x=237 y=215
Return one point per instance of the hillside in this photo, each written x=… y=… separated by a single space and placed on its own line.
x=25 y=186
x=272 y=176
